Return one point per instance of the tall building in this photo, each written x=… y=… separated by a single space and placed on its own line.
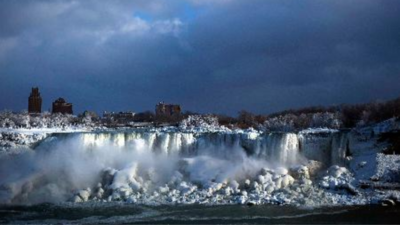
x=163 y=109
x=61 y=106
x=35 y=101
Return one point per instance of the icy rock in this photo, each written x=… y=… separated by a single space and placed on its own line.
x=256 y=186
x=84 y=194
x=115 y=196
x=314 y=167
x=110 y=198
x=135 y=185
x=164 y=189
x=247 y=183
x=126 y=178
x=213 y=187
x=241 y=200
x=388 y=168
x=338 y=178
x=264 y=179
x=387 y=202
x=286 y=181
x=300 y=172
x=281 y=171
x=228 y=191
x=275 y=176
x=155 y=194
x=395 y=196
x=108 y=176
x=264 y=171
x=99 y=193
x=337 y=171
x=269 y=189
x=305 y=181
x=125 y=192
x=268 y=178
x=234 y=185
x=77 y=199
x=333 y=183
x=182 y=186
x=131 y=200
x=261 y=179
x=186 y=189
x=324 y=184
x=218 y=186
x=171 y=199
x=175 y=192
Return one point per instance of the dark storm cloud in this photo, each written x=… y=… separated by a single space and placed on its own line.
x=210 y=56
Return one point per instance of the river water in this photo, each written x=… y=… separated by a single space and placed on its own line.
x=196 y=214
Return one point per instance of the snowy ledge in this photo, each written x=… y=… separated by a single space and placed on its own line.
x=45 y=130
x=318 y=130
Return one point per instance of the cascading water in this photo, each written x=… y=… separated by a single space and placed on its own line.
x=281 y=148
x=328 y=148
x=290 y=149
x=340 y=145
x=145 y=162
x=316 y=147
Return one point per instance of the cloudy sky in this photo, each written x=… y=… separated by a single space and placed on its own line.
x=208 y=55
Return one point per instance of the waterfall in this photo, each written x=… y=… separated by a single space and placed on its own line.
x=316 y=147
x=339 y=148
x=289 y=149
x=141 y=161
x=277 y=148
x=282 y=148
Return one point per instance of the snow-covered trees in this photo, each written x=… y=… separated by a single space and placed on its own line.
x=291 y=122
x=44 y=120
x=205 y=122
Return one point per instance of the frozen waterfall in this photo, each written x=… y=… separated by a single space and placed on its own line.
x=277 y=148
x=124 y=164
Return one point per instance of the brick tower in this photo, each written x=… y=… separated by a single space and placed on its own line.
x=35 y=101
x=61 y=106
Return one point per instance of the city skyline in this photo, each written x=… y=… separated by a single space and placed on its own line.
x=208 y=56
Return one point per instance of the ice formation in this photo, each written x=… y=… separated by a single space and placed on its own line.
x=179 y=166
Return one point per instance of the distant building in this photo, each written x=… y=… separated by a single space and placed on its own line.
x=61 y=106
x=119 y=118
x=35 y=101
x=168 y=110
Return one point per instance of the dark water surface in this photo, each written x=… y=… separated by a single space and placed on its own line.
x=197 y=214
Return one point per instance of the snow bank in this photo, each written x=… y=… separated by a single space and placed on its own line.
x=200 y=123
x=12 y=143
x=388 y=168
x=70 y=129
x=16 y=140
x=379 y=128
x=318 y=130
